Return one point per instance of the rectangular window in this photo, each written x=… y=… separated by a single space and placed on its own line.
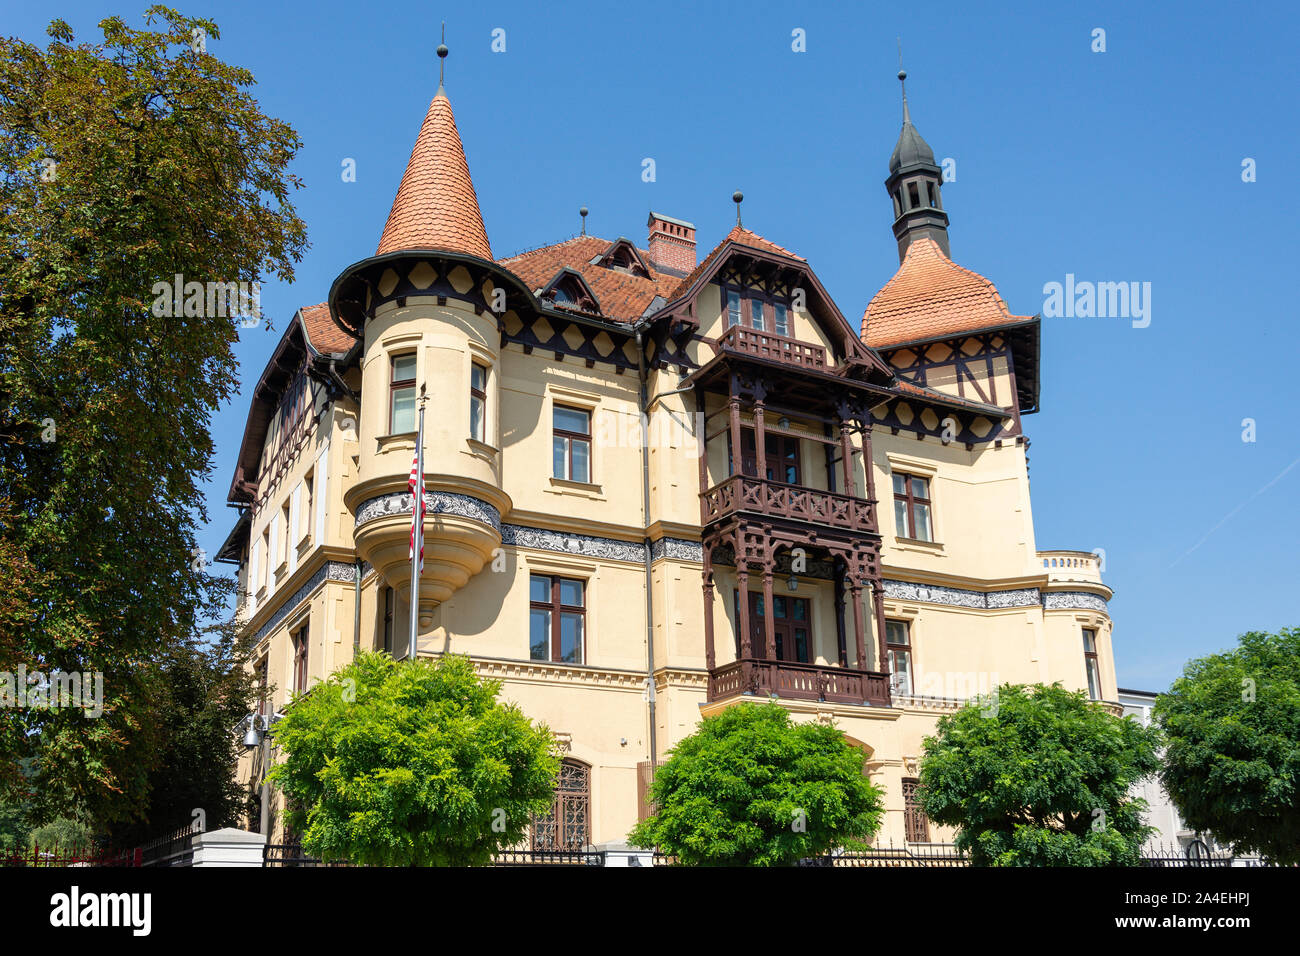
x=756 y=314
x=571 y=444
x=305 y=516
x=478 y=402
x=898 y=645
x=390 y=609
x=300 y=642
x=263 y=687
x=264 y=573
x=556 y=619
x=285 y=546
x=733 y=308
x=401 y=409
x=1090 y=662
x=916 y=826
x=912 y=507
x=782 y=319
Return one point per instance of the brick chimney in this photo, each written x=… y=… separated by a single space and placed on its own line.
x=671 y=244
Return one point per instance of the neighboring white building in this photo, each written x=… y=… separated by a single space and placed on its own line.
x=1171 y=832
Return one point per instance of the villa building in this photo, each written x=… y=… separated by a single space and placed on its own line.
x=661 y=483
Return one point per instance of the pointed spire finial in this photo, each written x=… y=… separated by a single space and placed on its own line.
x=442 y=54
x=583 y=213
x=902 y=81
x=738 y=197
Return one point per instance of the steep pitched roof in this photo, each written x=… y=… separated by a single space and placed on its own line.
x=622 y=296
x=323 y=334
x=931 y=296
x=741 y=237
x=436 y=206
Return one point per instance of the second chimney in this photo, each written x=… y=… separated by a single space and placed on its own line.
x=672 y=244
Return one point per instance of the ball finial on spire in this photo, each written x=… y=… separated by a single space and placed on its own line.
x=442 y=52
x=582 y=211
x=737 y=197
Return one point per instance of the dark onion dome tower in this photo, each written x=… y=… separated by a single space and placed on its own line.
x=913 y=184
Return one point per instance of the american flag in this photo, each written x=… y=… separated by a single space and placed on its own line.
x=418 y=509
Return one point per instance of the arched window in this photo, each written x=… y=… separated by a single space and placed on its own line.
x=568 y=824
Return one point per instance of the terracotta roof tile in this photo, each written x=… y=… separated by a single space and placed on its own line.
x=931 y=296
x=741 y=236
x=436 y=206
x=322 y=332
x=622 y=296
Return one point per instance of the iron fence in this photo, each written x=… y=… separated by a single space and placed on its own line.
x=55 y=855
x=174 y=849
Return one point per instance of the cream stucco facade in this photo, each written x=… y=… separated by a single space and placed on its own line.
x=651 y=538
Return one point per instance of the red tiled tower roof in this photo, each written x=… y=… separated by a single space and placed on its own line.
x=436 y=206
x=931 y=296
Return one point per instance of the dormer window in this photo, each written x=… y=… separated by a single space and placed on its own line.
x=568 y=289
x=622 y=256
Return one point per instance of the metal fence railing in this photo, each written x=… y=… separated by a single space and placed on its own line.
x=173 y=849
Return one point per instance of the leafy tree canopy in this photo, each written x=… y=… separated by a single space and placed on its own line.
x=411 y=764
x=1039 y=776
x=752 y=788
x=123 y=163
x=1232 y=759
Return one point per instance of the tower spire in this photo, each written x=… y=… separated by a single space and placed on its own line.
x=914 y=182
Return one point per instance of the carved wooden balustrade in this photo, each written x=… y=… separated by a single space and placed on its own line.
x=827 y=508
x=768 y=345
x=763 y=678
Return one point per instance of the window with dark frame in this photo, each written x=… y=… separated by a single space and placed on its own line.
x=571 y=444
x=566 y=826
x=765 y=313
x=263 y=687
x=1090 y=662
x=301 y=641
x=733 y=308
x=557 y=618
x=898 y=647
x=390 y=608
x=478 y=402
x=401 y=388
x=916 y=825
x=912 y=508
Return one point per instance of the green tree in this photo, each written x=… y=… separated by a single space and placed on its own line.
x=123 y=163
x=62 y=832
x=752 y=788
x=1039 y=776
x=411 y=764
x=208 y=690
x=1232 y=758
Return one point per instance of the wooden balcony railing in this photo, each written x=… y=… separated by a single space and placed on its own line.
x=763 y=678
x=743 y=493
x=769 y=345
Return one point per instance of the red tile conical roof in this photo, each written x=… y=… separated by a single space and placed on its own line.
x=931 y=296
x=436 y=206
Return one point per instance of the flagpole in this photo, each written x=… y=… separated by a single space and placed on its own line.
x=417 y=532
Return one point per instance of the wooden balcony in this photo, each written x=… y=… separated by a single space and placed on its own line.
x=769 y=345
x=763 y=678
x=779 y=500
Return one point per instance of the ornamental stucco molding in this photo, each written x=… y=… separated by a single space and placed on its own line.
x=585 y=545
x=677 y=549
x=329 y=571
x=1073 y=601
x=437 y=502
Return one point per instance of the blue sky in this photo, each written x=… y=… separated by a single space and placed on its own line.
x=1116 y=166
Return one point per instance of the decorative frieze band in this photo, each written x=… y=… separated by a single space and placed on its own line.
x=586 y=545
x=437 y=502
x=1073 y=601
x=329 y=571
x=678 y=549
